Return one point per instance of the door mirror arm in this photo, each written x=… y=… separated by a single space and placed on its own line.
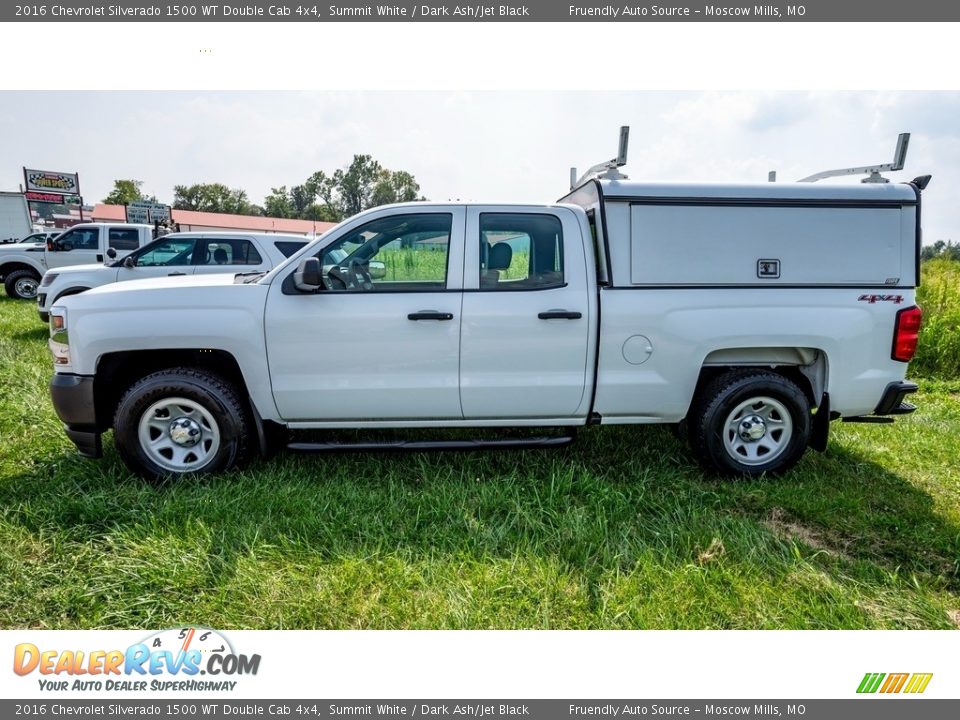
x=129 y=263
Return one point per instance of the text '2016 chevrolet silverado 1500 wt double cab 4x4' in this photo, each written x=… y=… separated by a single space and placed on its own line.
x=756 y=314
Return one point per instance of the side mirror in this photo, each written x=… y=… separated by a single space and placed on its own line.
x=129 y=263
x=307 y=278
x=111 y=253
x=378 y=269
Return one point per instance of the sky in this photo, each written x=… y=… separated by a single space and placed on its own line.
x=478 y=146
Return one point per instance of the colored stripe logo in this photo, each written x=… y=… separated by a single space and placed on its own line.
x=913 y=683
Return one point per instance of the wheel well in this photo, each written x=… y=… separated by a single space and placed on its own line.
x=10 y=267
x=116 y=372
x=806 y=367
x=71 y=291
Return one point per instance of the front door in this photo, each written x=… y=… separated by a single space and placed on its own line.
x=526 y=315
x=79 y=246
x=172 y=255
x=381 y=339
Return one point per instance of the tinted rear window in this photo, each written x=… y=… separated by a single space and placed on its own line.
x=289 y=247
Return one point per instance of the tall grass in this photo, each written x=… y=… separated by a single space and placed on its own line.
x=938 y=354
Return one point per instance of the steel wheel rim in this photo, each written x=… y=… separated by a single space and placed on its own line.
x=741 y=429
x=167 y=438
x=26 y=287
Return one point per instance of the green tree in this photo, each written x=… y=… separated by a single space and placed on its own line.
x=947 y=250
x=278 y=204
x=213 y=197
x=125 y=192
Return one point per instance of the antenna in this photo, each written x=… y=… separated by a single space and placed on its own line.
x=606 y=169
x=871 y=171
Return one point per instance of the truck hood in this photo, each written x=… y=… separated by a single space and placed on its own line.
x=176 y=283
x=20 y=247
x=70 y=269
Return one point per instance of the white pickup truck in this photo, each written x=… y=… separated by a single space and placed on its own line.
x=752 y=315
x=22 y=266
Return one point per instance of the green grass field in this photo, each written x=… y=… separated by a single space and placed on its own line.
x=622 y=530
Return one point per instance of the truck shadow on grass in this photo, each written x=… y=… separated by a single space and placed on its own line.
x=619 y=530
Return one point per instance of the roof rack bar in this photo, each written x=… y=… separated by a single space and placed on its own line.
x=606 y=169
x=871 y=171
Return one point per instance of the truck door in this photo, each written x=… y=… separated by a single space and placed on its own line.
x=380 y=340
x=229 y=255
x=171 y=255
x=526 y=315
x=78 y=246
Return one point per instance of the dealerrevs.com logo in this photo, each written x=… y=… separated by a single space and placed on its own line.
x=892 y=683
x=181 y=659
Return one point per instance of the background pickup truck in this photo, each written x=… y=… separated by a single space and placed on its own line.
x=173 y=255
x=749 y=315
x=21 y=267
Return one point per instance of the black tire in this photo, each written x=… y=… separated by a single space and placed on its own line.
x=723 y=422
x=18 y=284
x=204 y=399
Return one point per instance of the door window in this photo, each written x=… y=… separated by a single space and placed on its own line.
x=520 y=251
x=172 y=251
x=123 y=239
x=229 y=251
x=80 y=239
x=399 y=253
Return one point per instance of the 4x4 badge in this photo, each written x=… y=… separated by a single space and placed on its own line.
x=897 y=299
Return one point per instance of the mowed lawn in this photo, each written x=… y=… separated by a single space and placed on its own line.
x=622 y=530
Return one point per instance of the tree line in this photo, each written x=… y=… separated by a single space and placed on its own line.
x=365 y=183
x=946 y=250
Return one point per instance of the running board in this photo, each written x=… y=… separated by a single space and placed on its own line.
x=427 y=445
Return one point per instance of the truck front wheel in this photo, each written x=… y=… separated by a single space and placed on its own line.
x=750 y=422
x=22 y=284
x=181 y=421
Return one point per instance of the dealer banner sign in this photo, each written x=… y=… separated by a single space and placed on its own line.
x=48 y=181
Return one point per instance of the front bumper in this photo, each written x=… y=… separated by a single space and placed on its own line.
x=73 y=399
x=41 y=301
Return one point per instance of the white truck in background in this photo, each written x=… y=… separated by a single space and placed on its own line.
x=22 y=266
x=15 y=223
x=750 y=315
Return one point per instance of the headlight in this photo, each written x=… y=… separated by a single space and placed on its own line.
x=48 y=279
x=59 y=340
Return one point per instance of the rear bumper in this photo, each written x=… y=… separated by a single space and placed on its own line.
x=73 y=400
x=892 y=402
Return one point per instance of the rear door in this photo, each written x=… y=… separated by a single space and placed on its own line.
x=380 y=341
x=526 y=315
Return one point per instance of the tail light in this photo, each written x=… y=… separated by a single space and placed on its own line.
x=906 y=330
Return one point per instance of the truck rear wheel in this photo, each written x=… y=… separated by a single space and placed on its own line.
x=750 y=422
x=180 y=421
x=22 y=284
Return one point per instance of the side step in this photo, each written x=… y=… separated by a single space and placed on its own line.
x=428 y=445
